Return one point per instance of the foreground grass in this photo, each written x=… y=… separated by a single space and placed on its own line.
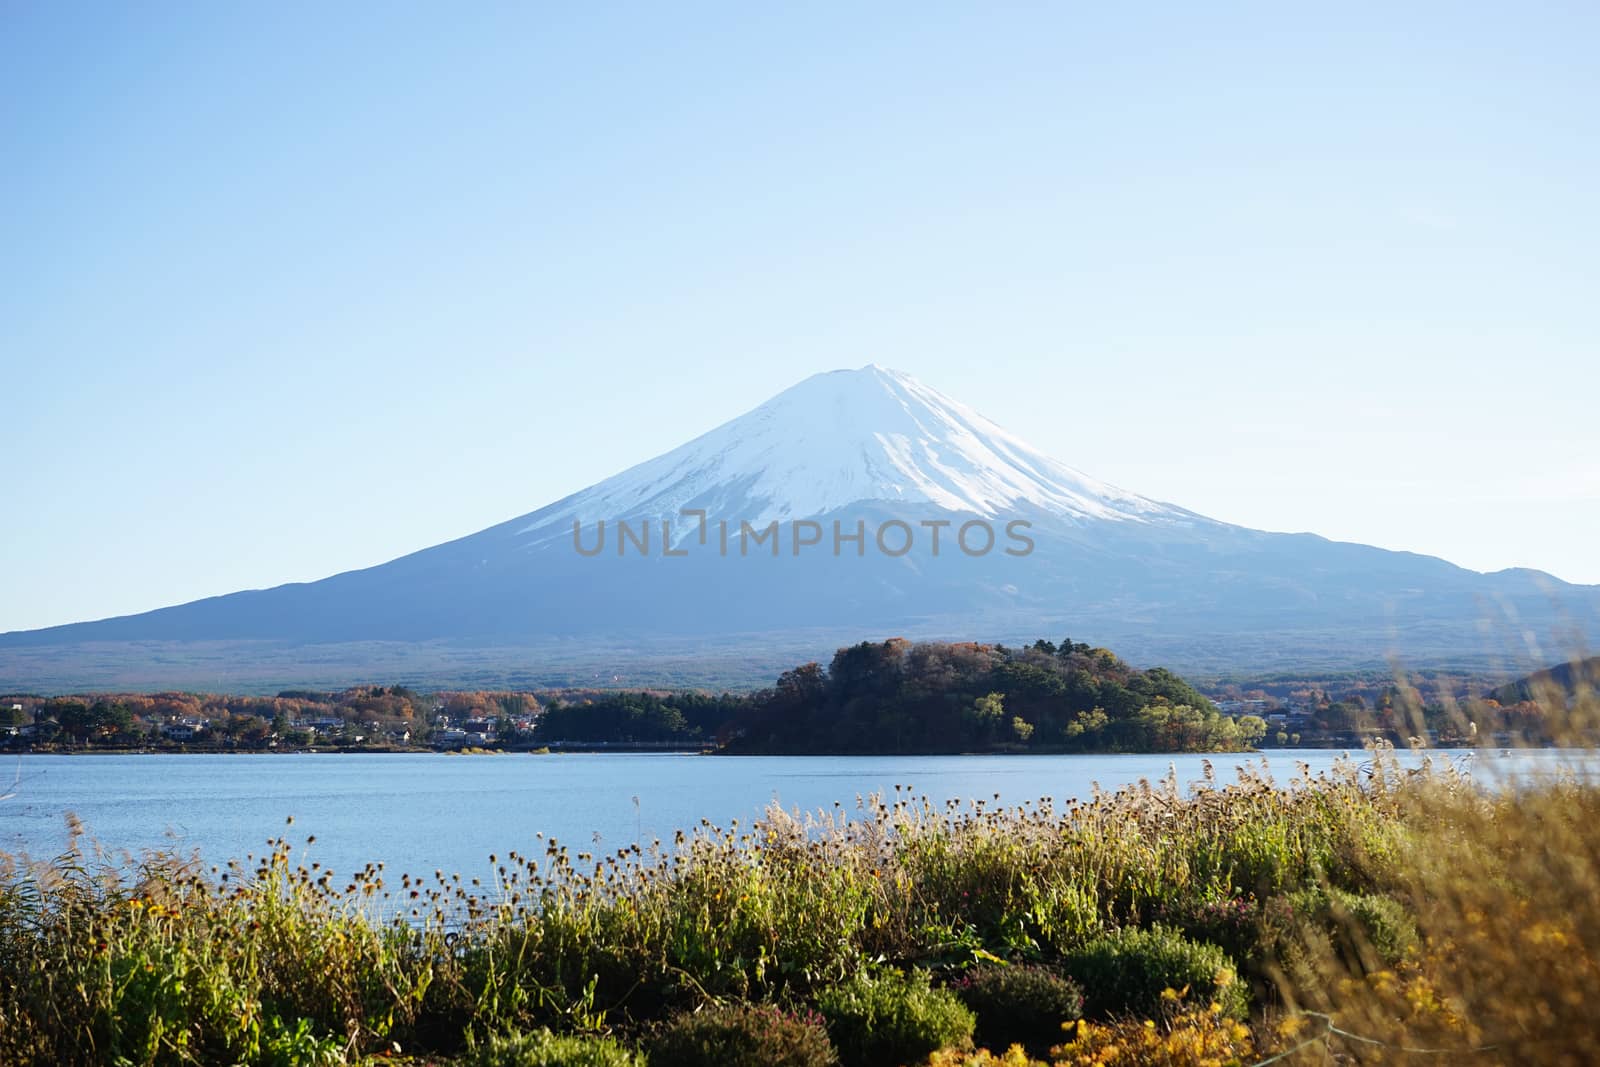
x=1358 y=914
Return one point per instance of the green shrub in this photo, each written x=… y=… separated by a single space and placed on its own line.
x=744 y=1036
x=541 y=1048
x=1019 y=1004
x=1365 y=928
x=298 y=1046
x=1382 y=922
x=1127 y=970
x=1233 y=924
x=892 y=1018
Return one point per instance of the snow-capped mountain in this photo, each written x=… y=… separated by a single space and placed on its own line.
x=832 y=465
x=845 y=438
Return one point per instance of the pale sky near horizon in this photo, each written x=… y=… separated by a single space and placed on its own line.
x=291 y=289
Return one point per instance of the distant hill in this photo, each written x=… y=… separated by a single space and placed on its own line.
x=900 y=697
x=855 y=501
x=1565 y=679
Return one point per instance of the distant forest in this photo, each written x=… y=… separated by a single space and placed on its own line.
x=898 y=697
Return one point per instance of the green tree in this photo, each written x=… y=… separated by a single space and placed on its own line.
x=1340 y=717
x=1252 y=728
x=986 y=716
x=989 y=708
x=73 y=717
x=1088 y=726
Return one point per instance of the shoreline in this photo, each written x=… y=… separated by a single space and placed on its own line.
x=645 y=748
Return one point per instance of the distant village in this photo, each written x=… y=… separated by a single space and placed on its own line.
x=379 y=718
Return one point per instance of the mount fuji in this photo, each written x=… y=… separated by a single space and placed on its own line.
x=851 y=505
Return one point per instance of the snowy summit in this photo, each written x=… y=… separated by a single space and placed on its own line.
x=849 y=437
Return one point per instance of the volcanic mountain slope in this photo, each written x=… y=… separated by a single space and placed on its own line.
x=684 y=557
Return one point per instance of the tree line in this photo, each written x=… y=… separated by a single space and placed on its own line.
x=873 y=697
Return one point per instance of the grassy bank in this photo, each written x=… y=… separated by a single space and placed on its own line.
x=1360 y=912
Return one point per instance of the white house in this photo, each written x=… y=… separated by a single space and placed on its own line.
x=185 y=729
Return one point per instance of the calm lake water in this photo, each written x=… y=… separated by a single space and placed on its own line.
x=421 y=812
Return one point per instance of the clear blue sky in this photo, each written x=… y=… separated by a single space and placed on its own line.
x=287 y=289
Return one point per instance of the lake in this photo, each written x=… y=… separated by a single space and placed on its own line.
x=421 y=812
